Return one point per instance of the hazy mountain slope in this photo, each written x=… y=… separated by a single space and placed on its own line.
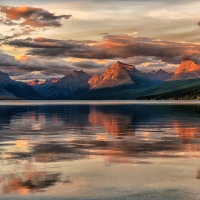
x=46 y=85
x=68 y=84
x=159 y=76
x=14 y=89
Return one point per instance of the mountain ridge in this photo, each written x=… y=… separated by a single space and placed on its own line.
x=120 y=81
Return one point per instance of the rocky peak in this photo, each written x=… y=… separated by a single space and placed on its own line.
x=122 y=65
x=187 y=65
x=78 y=72
x=188 y=69
x=119 y=67
x=116 y=75
x=153 y=72
x=74 y=80
x=81 y=75
x=160 y=71
x=36 y=81
x=52 y=80
x=69 y=83
x=74 y=72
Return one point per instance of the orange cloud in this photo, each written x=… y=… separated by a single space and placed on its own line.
x=34 y=17
x=16 y=13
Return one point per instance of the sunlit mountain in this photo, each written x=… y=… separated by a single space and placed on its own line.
x=121 y=74
x=188 y=69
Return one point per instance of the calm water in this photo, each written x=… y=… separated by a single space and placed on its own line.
x=105 y=150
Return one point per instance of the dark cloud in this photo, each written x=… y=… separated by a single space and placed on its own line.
x=30 y=64
x=103 y=33
x=45 y=43
x=22 y=69
x=31 y=16
x=88 y=65
x=6 y=60
x=112 y=47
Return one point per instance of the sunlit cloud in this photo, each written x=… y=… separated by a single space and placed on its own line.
x=34 y=17
x=29 y=19
x=112 y=47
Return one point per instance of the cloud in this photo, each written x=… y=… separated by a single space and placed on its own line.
x=112 y=47
x=28 y=67
x=34 y=17
x=6 y=60
x=7 y=22
x=30 y=64
x=45 y=43
x=45 y=55
x=24 y=31
x=103 y=33
x=88 y=64
x=29 y=19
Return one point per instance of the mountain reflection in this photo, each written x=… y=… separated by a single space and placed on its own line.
x=115 y=123
x=187 y=130
x=118 y=133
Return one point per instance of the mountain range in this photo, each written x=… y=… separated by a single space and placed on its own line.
x=119 y=81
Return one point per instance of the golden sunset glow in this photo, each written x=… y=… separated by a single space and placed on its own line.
x=55 y=40
x=21 y=57
x=22 y=143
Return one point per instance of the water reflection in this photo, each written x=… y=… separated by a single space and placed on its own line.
x=39 y=141
x=116 y=124
x=30 y=180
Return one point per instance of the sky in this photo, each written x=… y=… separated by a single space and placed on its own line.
x=48 y=39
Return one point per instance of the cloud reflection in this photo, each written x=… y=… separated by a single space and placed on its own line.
x=30 y=180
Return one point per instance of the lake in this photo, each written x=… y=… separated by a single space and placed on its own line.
x=123 y=150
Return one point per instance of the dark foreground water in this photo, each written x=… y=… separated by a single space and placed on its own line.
x=105 y=150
